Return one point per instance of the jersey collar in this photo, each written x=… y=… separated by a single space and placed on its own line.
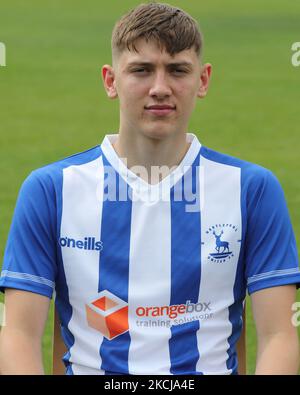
x=139 y=184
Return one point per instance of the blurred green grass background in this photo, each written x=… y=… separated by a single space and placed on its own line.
x=52 y=103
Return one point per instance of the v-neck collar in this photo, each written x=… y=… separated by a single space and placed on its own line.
x=139 y=184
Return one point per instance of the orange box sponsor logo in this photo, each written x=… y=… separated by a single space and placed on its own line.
x=108 y=314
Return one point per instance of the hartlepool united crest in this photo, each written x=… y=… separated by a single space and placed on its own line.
x=222 y=238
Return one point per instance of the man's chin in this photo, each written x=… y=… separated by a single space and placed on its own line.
x=157 y=136
x=159 y=132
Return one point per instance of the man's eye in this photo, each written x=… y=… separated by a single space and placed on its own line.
x=140 y=70
x=179 y=71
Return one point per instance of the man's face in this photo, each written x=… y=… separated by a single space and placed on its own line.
x=157 y=91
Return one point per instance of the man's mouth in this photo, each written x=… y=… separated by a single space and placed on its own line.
x=160 y=109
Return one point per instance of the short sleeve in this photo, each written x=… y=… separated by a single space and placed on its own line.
x=30 y=253
x=270 y=247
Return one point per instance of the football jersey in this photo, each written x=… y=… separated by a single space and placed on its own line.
x=150 y=278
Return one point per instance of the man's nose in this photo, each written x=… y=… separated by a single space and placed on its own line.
x=160 y=87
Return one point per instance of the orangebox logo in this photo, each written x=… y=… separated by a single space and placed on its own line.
x=174 y=310
x=108 y=314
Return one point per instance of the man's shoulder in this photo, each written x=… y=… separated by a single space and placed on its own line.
x=55 y=168
x=250 y=172
x=49 y=176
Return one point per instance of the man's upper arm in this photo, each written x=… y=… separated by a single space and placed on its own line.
x=277 y=337
x=271 y=257
x=30 y=260
x=272 y=310
x=26 y=312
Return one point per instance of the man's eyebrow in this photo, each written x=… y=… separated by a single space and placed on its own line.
x=171 y=64
x=180 y=64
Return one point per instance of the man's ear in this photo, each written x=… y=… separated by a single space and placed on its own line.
x=204 y=79
x=109 y=81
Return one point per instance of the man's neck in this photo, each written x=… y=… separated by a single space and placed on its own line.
x=141 y=152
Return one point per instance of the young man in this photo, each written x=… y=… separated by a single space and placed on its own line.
x=151 y=240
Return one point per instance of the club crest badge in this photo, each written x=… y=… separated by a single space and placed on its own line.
x=222 y=240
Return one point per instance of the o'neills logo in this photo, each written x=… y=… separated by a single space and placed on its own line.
x=88 y=243
x=174 y=310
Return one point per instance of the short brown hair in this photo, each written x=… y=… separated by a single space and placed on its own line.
x=171 y=28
